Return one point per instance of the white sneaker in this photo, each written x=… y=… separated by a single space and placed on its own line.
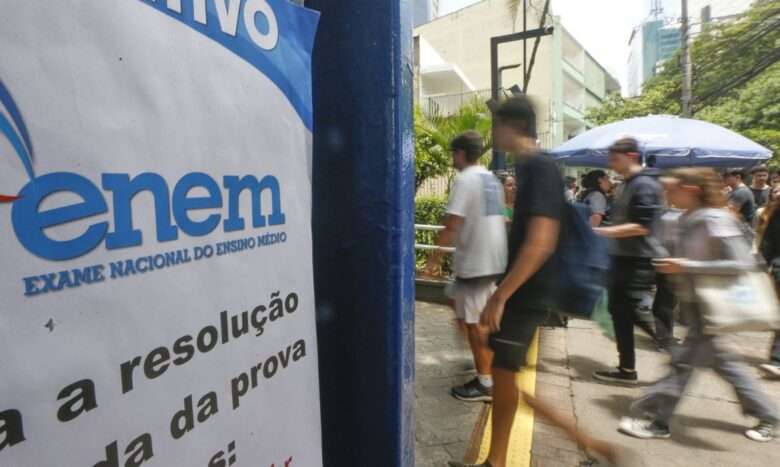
x=764 y=432
x=644 y=429
x=770 y=370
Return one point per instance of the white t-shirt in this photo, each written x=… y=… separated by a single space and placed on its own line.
x=480 y=249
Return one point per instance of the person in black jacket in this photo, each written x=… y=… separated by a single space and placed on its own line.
x=769 y=246
x=635 y=226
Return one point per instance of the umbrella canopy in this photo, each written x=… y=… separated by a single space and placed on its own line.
x=674 y=141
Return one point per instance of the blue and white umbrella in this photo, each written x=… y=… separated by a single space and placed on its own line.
x=674 y=141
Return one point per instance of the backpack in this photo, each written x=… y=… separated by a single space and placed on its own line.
x=582 y=264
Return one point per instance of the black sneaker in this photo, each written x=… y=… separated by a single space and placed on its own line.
x=461 y=464
x=473 y=391
x=764 y=432
x=644 y=429
x=619 y=376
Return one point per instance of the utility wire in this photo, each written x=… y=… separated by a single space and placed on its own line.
x=740 y=80
x=740 y=46
x=759 y=23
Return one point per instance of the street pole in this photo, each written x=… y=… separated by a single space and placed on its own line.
x=687 y=66
x=498 y=163
x=525 y=48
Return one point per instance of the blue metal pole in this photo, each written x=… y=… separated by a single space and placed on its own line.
x=363 y=225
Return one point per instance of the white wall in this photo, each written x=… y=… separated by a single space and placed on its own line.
x=463 y=38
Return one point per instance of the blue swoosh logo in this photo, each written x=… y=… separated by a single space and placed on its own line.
x=20 y=140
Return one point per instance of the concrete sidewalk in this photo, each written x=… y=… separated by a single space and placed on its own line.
x=448 y=429
x=444 y=424
x=708 y=430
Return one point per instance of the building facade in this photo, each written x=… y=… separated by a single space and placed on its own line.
x=651 y=43
x=656 y=40
x=453 y=64
x=425 y=11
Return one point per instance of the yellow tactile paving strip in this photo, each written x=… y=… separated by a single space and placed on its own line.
x=521 y=439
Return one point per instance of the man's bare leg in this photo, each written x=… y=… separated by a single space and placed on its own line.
x=505 y=399
x=461 y=329
x=479 y=389
x=483 y=356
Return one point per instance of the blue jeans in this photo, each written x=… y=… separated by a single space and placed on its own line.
x=700 y=350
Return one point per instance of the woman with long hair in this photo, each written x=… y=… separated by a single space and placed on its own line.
x=711 y=242
x=768 y=235
x=596 y=185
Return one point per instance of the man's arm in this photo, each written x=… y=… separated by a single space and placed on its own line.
x=623 y=231
x=445 y=238
x=737 y=202
x=541 y=240
x=598 y=206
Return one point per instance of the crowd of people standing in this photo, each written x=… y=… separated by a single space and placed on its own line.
x=663 y=228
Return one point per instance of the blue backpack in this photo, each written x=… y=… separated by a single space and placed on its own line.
x=582 y=264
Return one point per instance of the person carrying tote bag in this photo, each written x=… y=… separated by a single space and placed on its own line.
x=713 y=253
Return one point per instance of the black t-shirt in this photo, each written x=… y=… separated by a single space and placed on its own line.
x=742 y=199
x=640 y=202
x=540 y=193
x=760 y=195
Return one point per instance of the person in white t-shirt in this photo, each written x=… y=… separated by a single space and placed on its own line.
x=475 y=225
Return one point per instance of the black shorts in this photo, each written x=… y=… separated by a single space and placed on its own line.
x=510 y=344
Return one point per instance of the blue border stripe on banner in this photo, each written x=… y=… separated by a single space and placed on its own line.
x=288 y=65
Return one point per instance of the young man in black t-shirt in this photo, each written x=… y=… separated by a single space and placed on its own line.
x=522 y=299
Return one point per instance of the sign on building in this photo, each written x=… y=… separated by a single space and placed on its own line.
x=156 y=296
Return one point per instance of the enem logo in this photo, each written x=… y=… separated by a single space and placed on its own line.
x=172 y=209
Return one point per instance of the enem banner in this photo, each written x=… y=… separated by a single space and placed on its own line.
x=156 y=296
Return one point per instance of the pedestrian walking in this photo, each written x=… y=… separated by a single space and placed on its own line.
x=711 y=242
x=665 y=301
x=522 y=300
x=595 y=186
x=759 y=185
x=635 y=218
x=740 y=199
x=769 y=246
x=475 y=225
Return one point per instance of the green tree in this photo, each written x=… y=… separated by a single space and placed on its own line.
x=430 y=158
x=736 y=79
x=753 y=111
x=434 y=133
